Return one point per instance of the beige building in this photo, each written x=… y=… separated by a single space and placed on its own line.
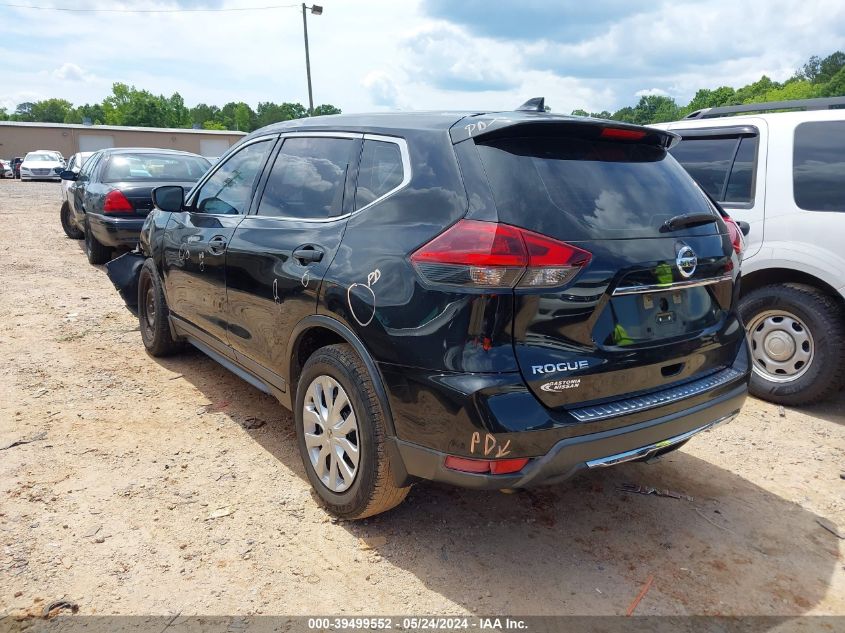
x=16 y=139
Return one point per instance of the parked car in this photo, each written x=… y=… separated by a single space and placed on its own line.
x=6 y=169
x=110 y=196
x=784 y=174
x=75 y=165
x=41 y=165
x=489 y=300
x=16 y=166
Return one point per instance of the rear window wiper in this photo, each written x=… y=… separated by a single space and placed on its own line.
x=688 y=219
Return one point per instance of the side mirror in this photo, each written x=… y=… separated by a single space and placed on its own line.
x=68 y=175
x=169 y=198
x=745 y=227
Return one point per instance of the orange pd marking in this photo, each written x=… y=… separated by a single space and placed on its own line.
x=476 y=438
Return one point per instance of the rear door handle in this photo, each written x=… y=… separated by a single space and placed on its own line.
x=217 y=245
x=307 y=255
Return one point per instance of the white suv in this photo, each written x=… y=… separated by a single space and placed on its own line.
x=784 y=174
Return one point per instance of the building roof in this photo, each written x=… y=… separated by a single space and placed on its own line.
x=120 y=128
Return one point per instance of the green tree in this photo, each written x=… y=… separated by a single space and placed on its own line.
x=580 y=112
x=93 y=112
x=202 y=113
x=324 y=109
x=4 y=116
x=23 y=112
x=51 y=110
x=213 y=125
x=835 y=87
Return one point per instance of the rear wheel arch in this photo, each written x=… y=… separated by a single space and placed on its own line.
x=317 y=331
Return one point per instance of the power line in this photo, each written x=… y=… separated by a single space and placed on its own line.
x=207 y=10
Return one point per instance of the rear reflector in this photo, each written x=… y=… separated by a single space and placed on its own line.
x=494 y=255
x=492 y=466
x=116 y=202
x=622 y=134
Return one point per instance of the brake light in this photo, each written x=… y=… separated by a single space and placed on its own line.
x=116 y=202
x=622 y=134
x=493 y=255
x=483 y=466
x=735 y=233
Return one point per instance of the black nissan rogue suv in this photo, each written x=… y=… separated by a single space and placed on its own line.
x=493 y=300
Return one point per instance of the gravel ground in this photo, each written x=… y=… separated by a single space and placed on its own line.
x=161 y=486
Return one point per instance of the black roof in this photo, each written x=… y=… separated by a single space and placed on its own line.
x=459 y=124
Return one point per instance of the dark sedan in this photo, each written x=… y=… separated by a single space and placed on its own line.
x=110 y=196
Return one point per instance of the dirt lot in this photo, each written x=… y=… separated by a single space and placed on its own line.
x=165 y=486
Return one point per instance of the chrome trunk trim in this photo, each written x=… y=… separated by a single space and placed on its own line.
x=678 y=285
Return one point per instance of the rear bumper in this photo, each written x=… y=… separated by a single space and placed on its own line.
x=115 y=232
x=570 y=456
x=489 y=417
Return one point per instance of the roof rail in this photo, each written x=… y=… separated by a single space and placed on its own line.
x=825 y=103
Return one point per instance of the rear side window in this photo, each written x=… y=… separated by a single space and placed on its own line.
x=580 y=189
x=723 y=166
x=818 y=167
x=308 y=178
x=380 y=171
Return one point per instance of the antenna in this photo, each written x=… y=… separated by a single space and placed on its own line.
x=537 y=104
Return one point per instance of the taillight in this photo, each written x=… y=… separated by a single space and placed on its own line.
x=622 y=134
x=492 y=255
x=735 y=233
x=116 y=202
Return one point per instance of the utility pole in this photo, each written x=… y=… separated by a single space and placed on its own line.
x=316 y=10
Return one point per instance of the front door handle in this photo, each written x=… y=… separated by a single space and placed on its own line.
x=307 y=255
x=217 y=244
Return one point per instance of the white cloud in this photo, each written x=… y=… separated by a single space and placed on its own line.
x=382 y=89
x=372 y=54
x=71 y=72
x=651 y=92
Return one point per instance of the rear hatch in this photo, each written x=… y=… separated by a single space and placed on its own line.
x=653 y=306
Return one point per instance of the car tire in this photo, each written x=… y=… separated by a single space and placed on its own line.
x=800 y=319
x=96 y=252
x=338 y=373
x=153 y=314
x=70 y=229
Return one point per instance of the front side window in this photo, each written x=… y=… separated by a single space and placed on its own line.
x=818 y=166
x=308 y=178
x=229 y=190
x=380 y=171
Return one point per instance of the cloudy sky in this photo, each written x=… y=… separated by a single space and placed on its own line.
x=411 y=54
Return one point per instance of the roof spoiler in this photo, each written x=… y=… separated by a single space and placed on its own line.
x=521 y=123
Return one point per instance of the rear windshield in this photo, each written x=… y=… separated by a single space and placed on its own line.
x=578 y=189
x=177 y=168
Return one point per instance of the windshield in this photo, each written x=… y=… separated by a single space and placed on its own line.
x=43 y=158
x=588 y=189
x=165 y=167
